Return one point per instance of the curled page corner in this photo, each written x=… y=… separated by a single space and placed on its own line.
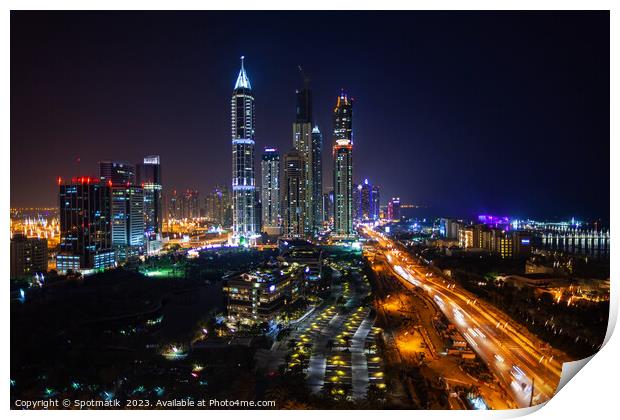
x=613 y=315
x=517 y=412
x=570 y=369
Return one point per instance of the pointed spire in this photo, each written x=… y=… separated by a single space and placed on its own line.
x=342 y=97
x=242 y=80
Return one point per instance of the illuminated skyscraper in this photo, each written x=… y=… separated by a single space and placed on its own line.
x=85 y=225
x=270 y=191
x=258 y=210
x=218 y=207
x=357 y=201
x=127 y=220
x=127 y=206
x=174 y=206
x=317 y=177
x=366 y=201
x=303 y=143
x=190 y=205
x=243 y=179
x=328 y=207
x=393 y=209
x=365 y=211
x=119 y=173
x=343 y=167
x=148 y=176
x=294 y=195
x=343 y=118
x=376 y=202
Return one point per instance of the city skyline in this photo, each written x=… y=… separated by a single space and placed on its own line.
x=483 y=112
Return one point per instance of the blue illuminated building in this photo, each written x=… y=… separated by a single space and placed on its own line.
x=243 y=178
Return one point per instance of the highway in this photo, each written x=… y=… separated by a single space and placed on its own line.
x=526 y=367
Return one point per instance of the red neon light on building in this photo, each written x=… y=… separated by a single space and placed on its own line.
x=84 y=180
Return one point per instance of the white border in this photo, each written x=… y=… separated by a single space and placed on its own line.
x=593 y=394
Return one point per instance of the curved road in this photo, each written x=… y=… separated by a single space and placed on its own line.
x=526 y=366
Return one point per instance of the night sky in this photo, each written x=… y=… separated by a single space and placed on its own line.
x=505 y=113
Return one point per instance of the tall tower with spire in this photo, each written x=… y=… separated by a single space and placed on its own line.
x=343 y=166
x=317 y=177
x=243 y=178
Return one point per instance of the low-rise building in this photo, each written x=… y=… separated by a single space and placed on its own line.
x=259 y=295
x=303 y=254
x=449 y=228
x=28 y=256
x=507 y=243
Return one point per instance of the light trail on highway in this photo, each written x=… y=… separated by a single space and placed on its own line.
x=526 y=370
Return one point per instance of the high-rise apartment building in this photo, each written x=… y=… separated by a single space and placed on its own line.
x=328 y=207
x=293 y=192
x=190 y=205
x=174 y=206
x=218 y=205
x=317 y=177
x=243 y=179
x=393 y=209
x=127 y=220
x=303 y=143
x=376 y=202
x=343 y=166
x=85 y=225
x=148 y=176
x=270 y=191
x=365 y=209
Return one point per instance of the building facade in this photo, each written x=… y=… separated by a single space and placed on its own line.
x=85 y=225
x=449 y=228
x=366 y=202
x=148 y=176
x=506 y=243
x=393 y=209
x=376 y=202
x=303 y=144
x=127 y=220
x=294 y=197
x=28 y=256
x=243 y=178
x=317 y=177
x=328 y=208
x=343 y=166
x=270 y=191
x=258 y=296
x=218 y=207
x=173 y=209
x=119 y=173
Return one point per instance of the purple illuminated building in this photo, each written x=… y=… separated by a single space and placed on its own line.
x=500 y=222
